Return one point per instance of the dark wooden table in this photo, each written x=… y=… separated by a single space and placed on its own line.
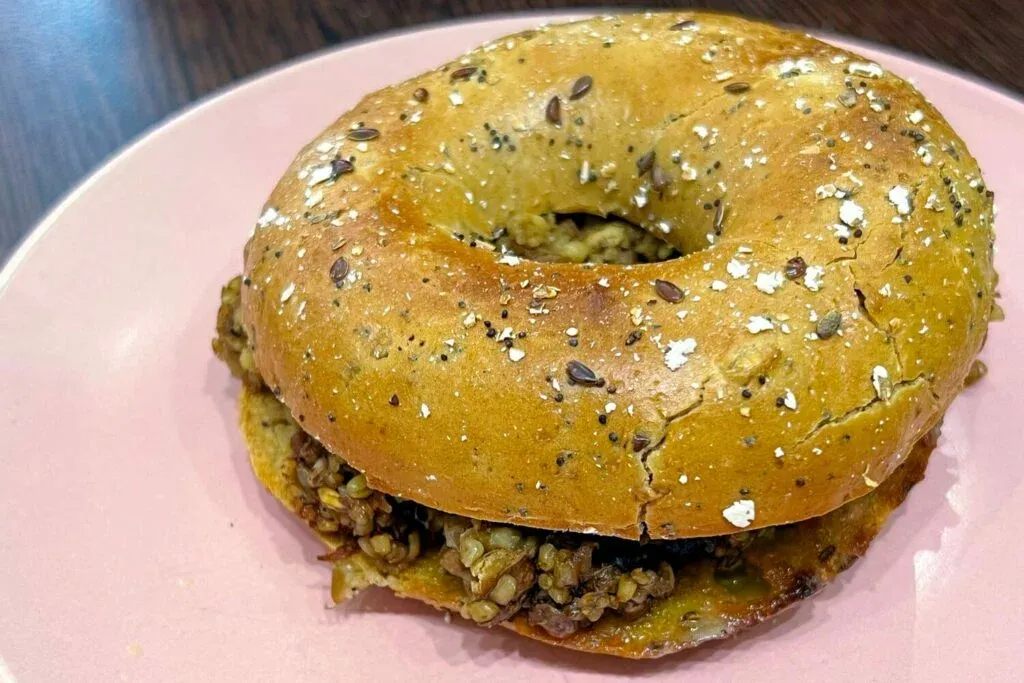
x=80 y=79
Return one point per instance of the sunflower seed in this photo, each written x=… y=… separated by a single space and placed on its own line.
x=363 y=134
x=668 y=291
x=581 y=87
x=340 y=167
x=463 y=73
x=339 y=270
x=581 y=374
x=645 y=163
x=553 y=112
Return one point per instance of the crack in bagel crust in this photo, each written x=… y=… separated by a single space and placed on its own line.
x=786 y=171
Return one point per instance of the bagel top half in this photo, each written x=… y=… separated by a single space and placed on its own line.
x=835 y=284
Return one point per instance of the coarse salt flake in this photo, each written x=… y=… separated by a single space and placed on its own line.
x=758 y=323
x=880 y=380
x=268 y=217
x=866 y=69
x=585 y=173
x=851 y=213
x=925 y=154
x=320 y=174
x=640 y=198
x=740 y=514
x=677 y=353
x=826 y=191
x=792 y=67
x=789 y=400
x=769 y=282
x=813 y=277
x=314 y=198
x=287 y=292
x=737 y=269
x=899 y=196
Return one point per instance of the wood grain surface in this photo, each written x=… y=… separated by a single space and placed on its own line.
x=81 y=78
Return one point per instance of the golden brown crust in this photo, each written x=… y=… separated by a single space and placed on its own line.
x=811 y=152
x=781 y=569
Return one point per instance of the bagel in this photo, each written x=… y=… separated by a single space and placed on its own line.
x=667 y=279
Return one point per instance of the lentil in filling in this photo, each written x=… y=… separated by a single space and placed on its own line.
x=562 y=581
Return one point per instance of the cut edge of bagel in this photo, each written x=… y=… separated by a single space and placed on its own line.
x=797 y=562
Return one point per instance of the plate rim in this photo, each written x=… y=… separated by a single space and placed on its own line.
x=26 y=245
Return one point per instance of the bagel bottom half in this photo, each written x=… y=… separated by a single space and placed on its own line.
x=791 y=564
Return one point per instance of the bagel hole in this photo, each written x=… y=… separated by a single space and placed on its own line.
x=580 y=238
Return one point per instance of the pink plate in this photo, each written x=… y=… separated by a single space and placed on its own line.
x=135 y=544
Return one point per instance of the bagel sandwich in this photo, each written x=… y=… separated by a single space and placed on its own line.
x=624 y=334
